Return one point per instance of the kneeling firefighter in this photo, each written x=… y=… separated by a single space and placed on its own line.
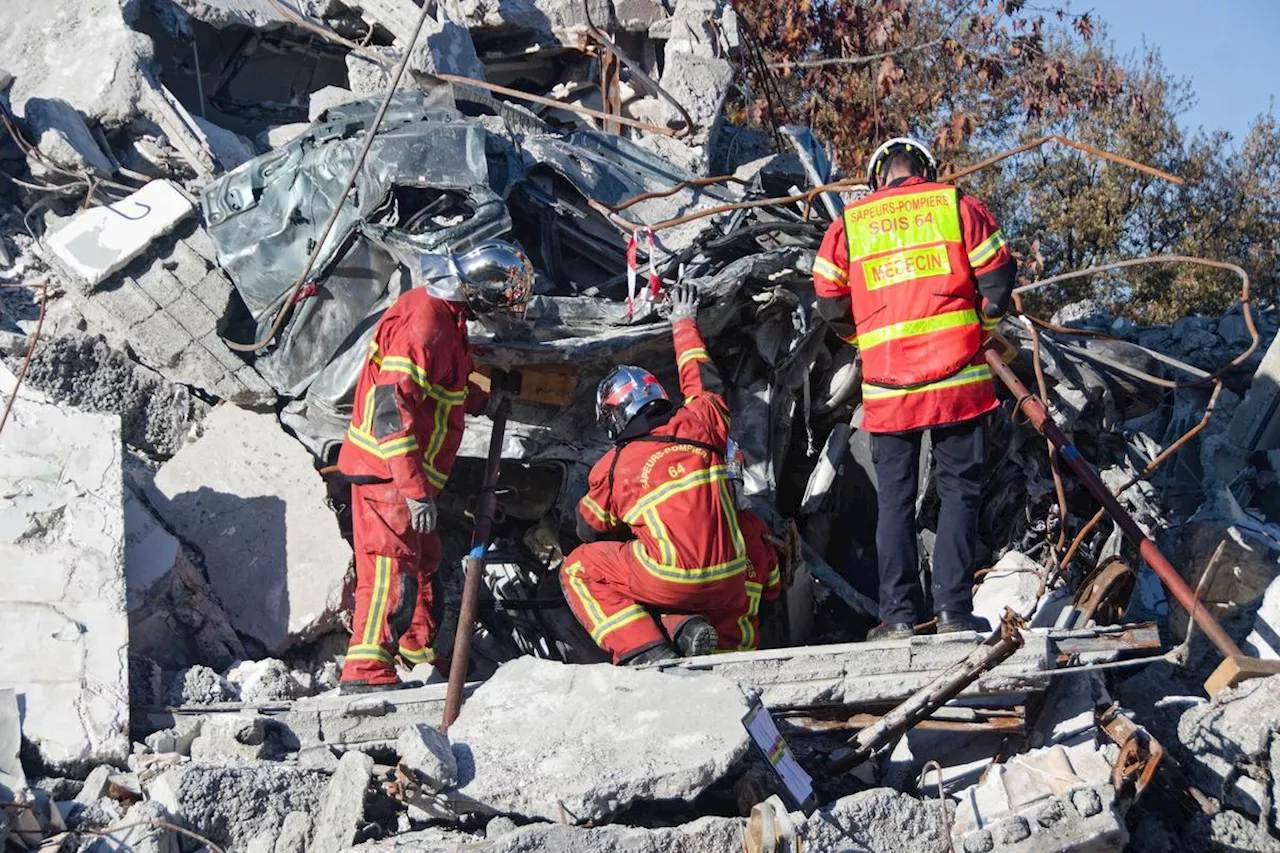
x=690 y=555
x=405 y=430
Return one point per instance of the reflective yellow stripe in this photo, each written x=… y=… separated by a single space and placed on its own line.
x=594 y=611
x=695 y=354
x=675 y=574
x=746 y=624
x=400 y=364
x=883 y=224
x=989 y=323
x=385 y=450
x=368 y=652
x=692 y=480
x=666 y=548
x=601 y=514
x=775 y=578
x=906 y=265
x=434 y=477
x=419 y=656
x=912 y=328
x=378 y=603
x=829 y=271
x=986 y=250
x=621 y=619
x=976 y=373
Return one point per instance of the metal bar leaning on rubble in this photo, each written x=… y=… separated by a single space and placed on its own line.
x=1034 y=409
x=552 y=102
x=341 y=200
x=931 y=697
x=486 y=508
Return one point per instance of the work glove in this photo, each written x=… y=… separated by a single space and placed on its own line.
x=422 y=514
x=684 y=302
x=497 y=399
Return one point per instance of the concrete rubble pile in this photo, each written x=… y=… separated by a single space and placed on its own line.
x=175 y=553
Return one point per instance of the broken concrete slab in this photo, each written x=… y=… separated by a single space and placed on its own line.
x=248 y=498
x=325 y=99
x=65 y=632
x=235 y=737
x=13 y=779
x=141 y=831
x=1230 y=737
x=426 y=753
x=100 y=241
x=234 y=804
x=704 y=835
x=86 y=372
x=229 y=148
x=444 y=45
x=1056 y=798
x=60 y=132
x=82 y=51
x=342 y=806
x=149 y=551
x=878 y=820
x=541 y=739
x=181 y=622
x=1264 y=640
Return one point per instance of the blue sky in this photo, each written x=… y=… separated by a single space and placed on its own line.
x=1230 y=50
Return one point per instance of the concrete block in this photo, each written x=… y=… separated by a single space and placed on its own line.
x=280 y=135
x=229 y=148
x=98 y=242
x=327 y=98
x=160 y=341
x=1230 y=735
x=293 y=833
x=541 y=739
x=427 y=753
x=249 y=498
x=126 y=302
x=214 y=290
x=232 y=804
x=13 y=779
x=193 y=315
x=1047 y=799
x=139 y=832
x=95 y=785
x=1264 y=640
x=160 y=284
x=342 y=806
x=200 y=685
x=177 y=739
x=221 y=353
x=231 y=737
x=879 y=820
x=201 y=243
x=61 y=134
x=65 y=630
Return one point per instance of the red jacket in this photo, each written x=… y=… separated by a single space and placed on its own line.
x=411 y=396
x=675 y=497
x=909 y=257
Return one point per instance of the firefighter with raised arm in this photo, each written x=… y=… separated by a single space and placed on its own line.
x=405 y=430
x=917 y=276
x=690 y=570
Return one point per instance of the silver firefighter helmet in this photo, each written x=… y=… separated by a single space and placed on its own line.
x=493 y=277
x=625 y=393
x=896 y=145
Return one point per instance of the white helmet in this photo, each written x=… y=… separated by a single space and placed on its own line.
x=894 y=146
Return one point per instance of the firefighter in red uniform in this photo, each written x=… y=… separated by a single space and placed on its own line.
x=405 y=430
x=664 y=489
x=917 y=276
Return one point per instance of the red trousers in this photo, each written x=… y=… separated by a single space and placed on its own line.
x=394 y=567
x=609 y=590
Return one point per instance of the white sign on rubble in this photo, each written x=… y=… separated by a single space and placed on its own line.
x=248 y=497
x=65 y=633
x=99 y=242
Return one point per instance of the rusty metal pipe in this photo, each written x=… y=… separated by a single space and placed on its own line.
x=486 y=509
x=1031 y=406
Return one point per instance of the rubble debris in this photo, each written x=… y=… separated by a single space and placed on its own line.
x=65 y=631
x=247 y=497
x=427 y=753
x=1056 y=798
x=99 y=242
x=62 y=135
x=342 y=805
x=264 y=681
x=200 y=685
x=238 y=805
x=234 y=737
x=86 y=372
x=13 y=779
x=1264 y=640
x=541 y=737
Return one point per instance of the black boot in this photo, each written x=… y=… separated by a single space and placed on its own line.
x=356 y=688
x=650 y=654
x=953 y=621
x=696 y=636
x=891 y=631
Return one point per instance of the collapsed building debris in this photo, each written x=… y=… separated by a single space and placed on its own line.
x=178 y=571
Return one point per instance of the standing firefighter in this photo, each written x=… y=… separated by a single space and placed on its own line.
x=399 y=450
x=694 y=559
x=924 y=274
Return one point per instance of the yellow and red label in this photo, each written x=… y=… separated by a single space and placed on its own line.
x=903 y=237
